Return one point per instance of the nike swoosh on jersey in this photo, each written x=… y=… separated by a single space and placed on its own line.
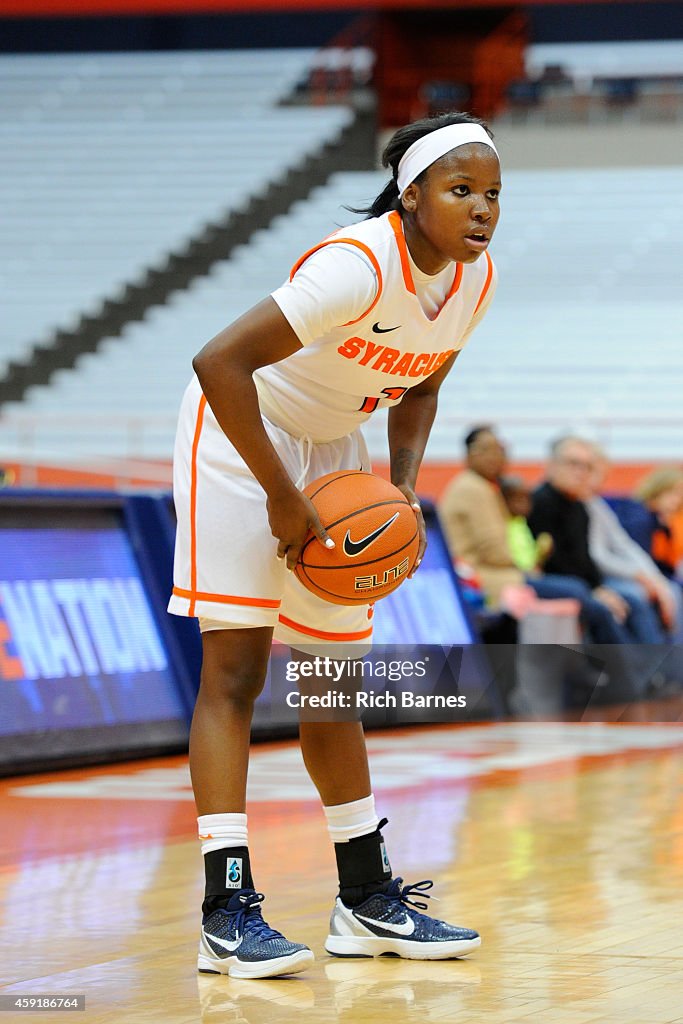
x=230 y=946
x=384 y=330
x=406 y=927
x=355 y=547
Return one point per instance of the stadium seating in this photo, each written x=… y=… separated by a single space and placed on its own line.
x=594 y=82
x=584 y=333
x=636 y=59
x=109 y=162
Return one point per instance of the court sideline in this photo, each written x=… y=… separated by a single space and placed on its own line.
x=561 y=843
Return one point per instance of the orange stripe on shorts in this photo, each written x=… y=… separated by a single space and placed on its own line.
x=321 y=634
x=193 y=502
x=200 y=595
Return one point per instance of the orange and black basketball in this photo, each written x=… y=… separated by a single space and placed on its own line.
x=375 y=534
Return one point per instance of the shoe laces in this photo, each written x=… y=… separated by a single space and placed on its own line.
x=248 y=918
x=402 y=893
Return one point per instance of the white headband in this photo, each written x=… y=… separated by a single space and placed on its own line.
x=422 y=154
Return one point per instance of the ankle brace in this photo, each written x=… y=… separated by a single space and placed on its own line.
x=227 y=871
x=363 y=866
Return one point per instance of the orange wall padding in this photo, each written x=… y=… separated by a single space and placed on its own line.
x=66 y=477
x=434 y=476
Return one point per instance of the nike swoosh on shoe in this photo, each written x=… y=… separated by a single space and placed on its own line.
x=406 y=927
x=229 y=946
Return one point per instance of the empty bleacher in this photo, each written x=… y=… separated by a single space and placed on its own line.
x=662 y=58
x=597 y=82
x=584 y=333
x=109 y=162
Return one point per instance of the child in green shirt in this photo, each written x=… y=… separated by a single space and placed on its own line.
x=528 y=553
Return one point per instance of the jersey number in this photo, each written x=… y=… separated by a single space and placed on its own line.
x=393 y=394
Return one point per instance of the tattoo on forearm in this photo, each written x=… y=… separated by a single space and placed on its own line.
x=402 y=463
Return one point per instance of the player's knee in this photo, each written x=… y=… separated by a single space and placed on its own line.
x=243 y=686
x=234 y=664
x=239 y=684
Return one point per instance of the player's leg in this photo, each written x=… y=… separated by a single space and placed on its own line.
x=234 y=939
x=226 y=572
x=324 y=746
x=336 y=759
x=234 y=665
x=373 y=913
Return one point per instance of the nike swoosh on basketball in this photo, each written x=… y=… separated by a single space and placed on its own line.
x=354 y=547
x=406 y=927
x=384 y=330
x=230 y=946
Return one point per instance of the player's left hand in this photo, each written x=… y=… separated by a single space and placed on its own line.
x=414 y=503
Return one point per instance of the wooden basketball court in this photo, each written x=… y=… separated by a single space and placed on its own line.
x=561 y=843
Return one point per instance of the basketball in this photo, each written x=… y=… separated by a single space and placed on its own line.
x=375 y=534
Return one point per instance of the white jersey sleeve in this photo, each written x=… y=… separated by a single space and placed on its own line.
x=481 y=312
x=335 y=286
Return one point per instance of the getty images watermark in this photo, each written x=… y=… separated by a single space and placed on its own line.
x=413 y=683
x=341 y=683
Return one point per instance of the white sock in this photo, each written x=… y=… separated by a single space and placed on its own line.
x=348 y=821
x=218 y=831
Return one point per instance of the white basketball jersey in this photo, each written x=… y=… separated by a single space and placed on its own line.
x=328 y=388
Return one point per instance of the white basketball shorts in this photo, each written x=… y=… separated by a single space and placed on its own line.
x=226 y=567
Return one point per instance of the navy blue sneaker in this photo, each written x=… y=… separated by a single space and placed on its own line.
x=237 y=941
x=385 y=925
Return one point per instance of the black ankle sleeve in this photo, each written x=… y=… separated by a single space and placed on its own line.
x=363 y=860
x=227 y=871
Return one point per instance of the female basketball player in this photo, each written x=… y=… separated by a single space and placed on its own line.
x=374 y=316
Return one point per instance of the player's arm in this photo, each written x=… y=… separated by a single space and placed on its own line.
x=410 y=423
x=225 y=368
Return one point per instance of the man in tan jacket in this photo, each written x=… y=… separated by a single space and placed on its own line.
x=474 y=514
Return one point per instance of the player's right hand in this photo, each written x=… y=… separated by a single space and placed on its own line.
x=291 y=516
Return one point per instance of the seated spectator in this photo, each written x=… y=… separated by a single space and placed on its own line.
x=475 y=517
x=628 y=569
x=474 y=514
x=558 y=509
x=661 y=494
x=529 y=553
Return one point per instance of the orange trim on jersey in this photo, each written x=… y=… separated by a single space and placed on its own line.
x=397 y=226
x=321 y=634
x=364 y=248
x=199 y=595
x=395 y=221
x=193 y=500
x=487 y=282
x=456 y=283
